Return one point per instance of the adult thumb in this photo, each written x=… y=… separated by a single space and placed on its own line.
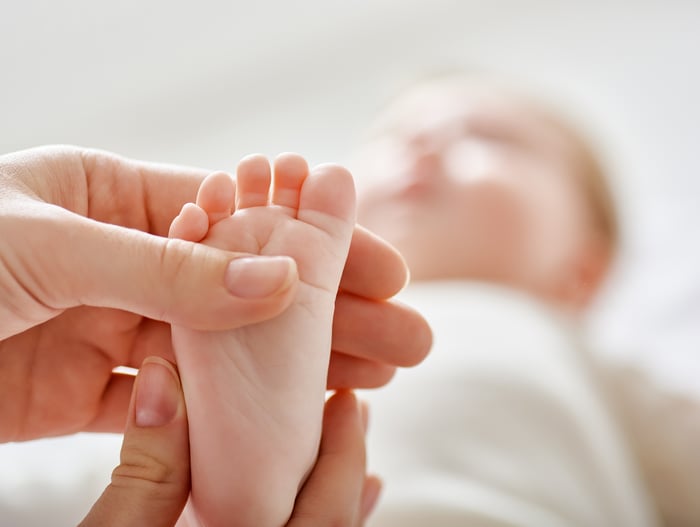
x=175 y=281
x=152 y=482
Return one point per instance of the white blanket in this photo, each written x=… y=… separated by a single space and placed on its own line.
x=503 y=425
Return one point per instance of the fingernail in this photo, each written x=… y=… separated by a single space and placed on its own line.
x=157 y=394
x=259 y=276
x=370 y=496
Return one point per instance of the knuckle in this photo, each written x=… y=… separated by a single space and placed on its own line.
x=137 y=467
x=25 y=276
x=173 y=257
x=173 y=265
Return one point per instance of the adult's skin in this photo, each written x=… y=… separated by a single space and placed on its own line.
x=89 y=281
x=152 y=483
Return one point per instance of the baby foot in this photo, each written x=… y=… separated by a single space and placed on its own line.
x=255 y=394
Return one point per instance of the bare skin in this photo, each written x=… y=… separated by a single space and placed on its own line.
x=88 y=284
x=255 y=394
x=153 y=476
x=474 y=182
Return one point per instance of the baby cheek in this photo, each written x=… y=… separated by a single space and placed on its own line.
x=500 y=213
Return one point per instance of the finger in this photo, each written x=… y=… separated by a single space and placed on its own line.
x=175 y=281
x=348 y=372
x=114 y=406
x=151 y=484
x=344 y=372
x=380 y=331
x=373 y=485
x=332 y=494
x=154 y=338
x=374 y=269
x=158 y=191
x=370 y=496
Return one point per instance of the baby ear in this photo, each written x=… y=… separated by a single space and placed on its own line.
x=588 y=272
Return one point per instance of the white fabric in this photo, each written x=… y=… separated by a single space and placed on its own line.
x=664 y=429
x=54 y=482
x=503 y=425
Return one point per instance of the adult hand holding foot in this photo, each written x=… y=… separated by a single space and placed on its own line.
x=152 y=483
x=89 y=282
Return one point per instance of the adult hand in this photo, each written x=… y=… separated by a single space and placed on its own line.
x=151 y=484
x=89 y=281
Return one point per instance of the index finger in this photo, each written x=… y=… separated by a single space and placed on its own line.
x=374 y=269
x=332 y=494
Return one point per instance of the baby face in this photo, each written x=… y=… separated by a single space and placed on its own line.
x=473 y=185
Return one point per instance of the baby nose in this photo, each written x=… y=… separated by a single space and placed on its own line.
x=426 y=164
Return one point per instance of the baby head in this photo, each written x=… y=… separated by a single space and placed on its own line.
x=472 y=181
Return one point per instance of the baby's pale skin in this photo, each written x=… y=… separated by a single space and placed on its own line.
x=475 y=183
x=255 y=395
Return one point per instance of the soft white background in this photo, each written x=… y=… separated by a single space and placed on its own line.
x=206 y=82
